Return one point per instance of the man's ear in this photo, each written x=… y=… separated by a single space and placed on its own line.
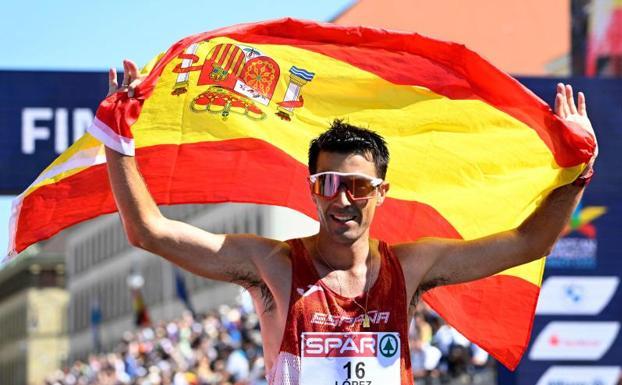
x=382 y=193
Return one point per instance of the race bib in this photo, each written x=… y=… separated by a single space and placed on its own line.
x=350 y=358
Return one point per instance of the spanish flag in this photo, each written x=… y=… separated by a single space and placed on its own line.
x=227 y=116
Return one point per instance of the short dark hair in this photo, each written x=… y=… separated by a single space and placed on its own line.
x=345 y=138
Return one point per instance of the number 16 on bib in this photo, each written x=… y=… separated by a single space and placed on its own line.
x=350 y=359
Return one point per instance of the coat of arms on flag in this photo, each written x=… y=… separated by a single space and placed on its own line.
x=238 y=78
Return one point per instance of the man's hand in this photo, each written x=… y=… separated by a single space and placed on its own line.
x=131 y=79
x=574 y=115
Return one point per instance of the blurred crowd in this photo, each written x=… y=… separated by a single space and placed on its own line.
x=224 y=347
x=220 y=347
x=441 y=355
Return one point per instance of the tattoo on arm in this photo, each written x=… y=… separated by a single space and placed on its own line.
x=251 y=282
x=425 y=286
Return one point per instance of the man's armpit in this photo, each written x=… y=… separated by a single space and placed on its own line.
x=253 y=283
x=425 y=286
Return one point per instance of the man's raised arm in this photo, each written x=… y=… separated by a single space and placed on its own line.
x=231 y=258
x=431 y=262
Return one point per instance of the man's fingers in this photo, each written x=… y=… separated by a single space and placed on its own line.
x=565 y=108
x=112 y=76
x=131 y=79
x=582 y=105
x=132 y=69
x=559 y=106
x=132 y=87
x=127 y=77
x=563 y=102
x=572 y=107
x=112 y=81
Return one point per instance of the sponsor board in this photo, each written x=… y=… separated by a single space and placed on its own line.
x=43 y=113
x=589 y=246
x=573 y=253
x=578 y=246
x=581 y=375
x=587 y=341
x=571 y=295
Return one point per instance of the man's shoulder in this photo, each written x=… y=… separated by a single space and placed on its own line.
x=298 y=245
x=269 y=248
x=400 y=249
x=409 y=252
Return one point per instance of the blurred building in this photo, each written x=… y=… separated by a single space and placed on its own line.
x=100 y=260
x=529 y=37
x=604 y=38
x=33 y=309
x=524 y=38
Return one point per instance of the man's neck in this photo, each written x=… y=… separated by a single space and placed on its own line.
x=342 y=256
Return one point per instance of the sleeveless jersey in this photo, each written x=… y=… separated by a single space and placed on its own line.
x=325 y=341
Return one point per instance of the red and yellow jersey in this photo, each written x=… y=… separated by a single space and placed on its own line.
x=326 y=339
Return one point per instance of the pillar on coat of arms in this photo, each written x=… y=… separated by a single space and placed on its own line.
x=298 y=77
x=181 y=82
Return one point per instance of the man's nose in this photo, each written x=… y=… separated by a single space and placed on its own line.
x=343 y=197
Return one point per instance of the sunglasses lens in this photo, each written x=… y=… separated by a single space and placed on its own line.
x=328 y=185
x=361 y=187
x=325 y=185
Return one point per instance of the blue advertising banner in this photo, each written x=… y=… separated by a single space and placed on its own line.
x=576 y=338
x=41 y=114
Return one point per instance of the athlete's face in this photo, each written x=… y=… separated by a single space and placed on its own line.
x=343 y=219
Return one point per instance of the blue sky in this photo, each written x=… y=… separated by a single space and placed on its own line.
x=95 y=35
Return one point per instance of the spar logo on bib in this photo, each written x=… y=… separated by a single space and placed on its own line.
x=340 y=345
x=350 y=345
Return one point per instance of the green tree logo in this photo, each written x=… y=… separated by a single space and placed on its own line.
x=388 y=345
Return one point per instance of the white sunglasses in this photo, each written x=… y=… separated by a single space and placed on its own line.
x=358 y=186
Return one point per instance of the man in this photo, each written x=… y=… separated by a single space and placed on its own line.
x=325 y=300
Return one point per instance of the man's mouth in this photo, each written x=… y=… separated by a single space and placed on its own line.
x=342 y=218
